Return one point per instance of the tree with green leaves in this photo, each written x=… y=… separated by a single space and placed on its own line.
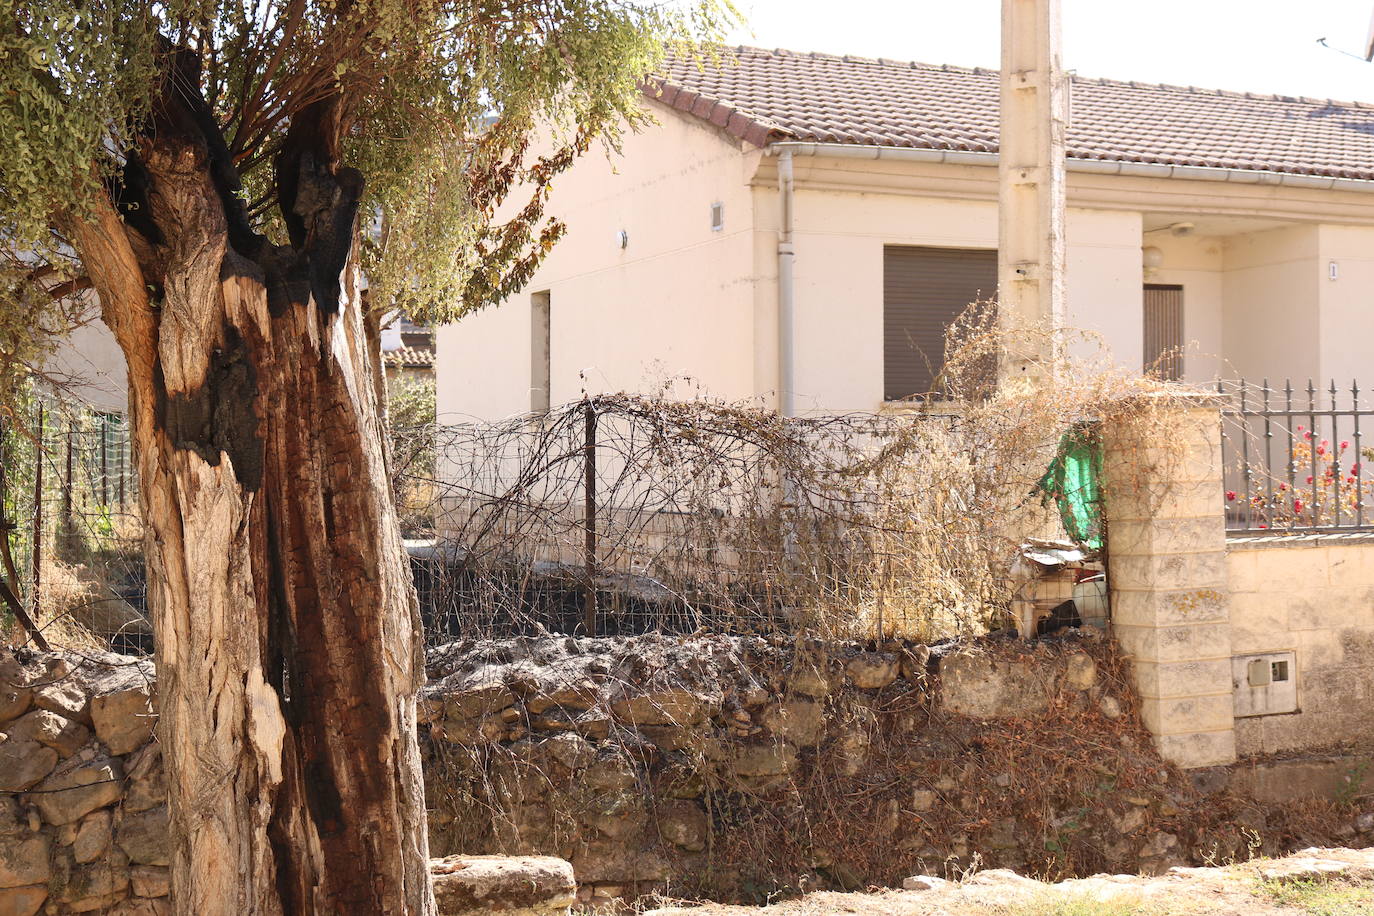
x=222 y=174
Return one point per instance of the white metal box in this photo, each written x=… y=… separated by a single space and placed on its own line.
x=1265 y=684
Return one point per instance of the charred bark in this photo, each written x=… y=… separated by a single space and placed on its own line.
x=287 y=630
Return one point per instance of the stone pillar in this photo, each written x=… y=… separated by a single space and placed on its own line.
x=1166 y=570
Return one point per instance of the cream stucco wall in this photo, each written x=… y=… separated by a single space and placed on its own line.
x=1103 y=280
x=839 y=240
x=1262 y=305
x=1345 y=339
x=677 y=300
x=1270 y=299
x=681 y=300
x=1315 y=597
x=89 y=366
x=1195 y=263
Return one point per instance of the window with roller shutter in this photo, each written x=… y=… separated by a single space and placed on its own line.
x=924 y=289
x=1163 y=325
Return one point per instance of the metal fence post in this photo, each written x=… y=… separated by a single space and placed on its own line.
x=589 y=517
x=36 y=573
x=68 y=525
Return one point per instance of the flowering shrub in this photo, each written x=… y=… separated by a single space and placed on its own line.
x=1327 y=484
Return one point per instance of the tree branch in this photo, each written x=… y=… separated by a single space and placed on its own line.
x=184 y=85
x=23 y=616
x=319 y=198
x=110 y=262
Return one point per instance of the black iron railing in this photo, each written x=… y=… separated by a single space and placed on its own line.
x=1295 y=458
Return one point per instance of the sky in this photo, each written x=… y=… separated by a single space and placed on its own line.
x=1266 y=46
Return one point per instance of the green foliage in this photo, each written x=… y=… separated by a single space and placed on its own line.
x=29 y=322
x=410 y=423
x=439 y=100
x=75 y=77
x=410 y=415
x=19 y=452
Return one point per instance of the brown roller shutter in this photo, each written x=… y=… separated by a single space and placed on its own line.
x=924 y=289
x=1164 y=331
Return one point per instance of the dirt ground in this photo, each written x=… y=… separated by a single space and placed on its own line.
x=1314 y=882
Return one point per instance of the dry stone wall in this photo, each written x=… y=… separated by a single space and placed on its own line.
x=83 y=815
x=715 y=767
x=739 y=768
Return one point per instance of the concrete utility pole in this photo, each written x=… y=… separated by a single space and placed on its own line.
x=1030 y=195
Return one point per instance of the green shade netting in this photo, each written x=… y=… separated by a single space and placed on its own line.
x=1074 y=481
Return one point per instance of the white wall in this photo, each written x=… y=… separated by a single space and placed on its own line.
x=677 y=300
x=683 y=300
x=1195 y=263
x=1270 y=294
x=1346 y=334
x=1103 y=279
x=839 y=241
x=89 y=366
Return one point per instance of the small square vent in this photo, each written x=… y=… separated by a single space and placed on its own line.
x=1265 y=684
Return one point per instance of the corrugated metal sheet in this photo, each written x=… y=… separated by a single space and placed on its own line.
x=924 y=289
x=1164 y=331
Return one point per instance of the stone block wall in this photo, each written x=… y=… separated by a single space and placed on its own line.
x=1166 y=571
x=1192 y=607
x=83 y=815
x=1313 y=596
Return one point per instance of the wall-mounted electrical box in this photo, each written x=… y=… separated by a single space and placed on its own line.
x=1265 y=684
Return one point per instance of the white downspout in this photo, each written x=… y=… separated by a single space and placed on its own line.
x=787 y=406
x=787 y=336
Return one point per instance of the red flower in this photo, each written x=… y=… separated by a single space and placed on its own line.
x=1350 y=480
x=1345 y=444
x=1264 y=526
x=1297 y=505
x=1307 y=436
x=1282 y=487
x=1355 y=468
x=1321 y=450
x=1309 y=478
x=1230 y=495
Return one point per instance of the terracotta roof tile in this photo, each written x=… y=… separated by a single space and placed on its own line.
x=409 y=358
x=766 y=96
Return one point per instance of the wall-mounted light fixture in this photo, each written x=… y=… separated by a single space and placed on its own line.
x=1177 y=230
x=1151 y=257
x=622 y=239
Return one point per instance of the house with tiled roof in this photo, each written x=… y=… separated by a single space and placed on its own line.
x=407 y=348
x=1209 y=234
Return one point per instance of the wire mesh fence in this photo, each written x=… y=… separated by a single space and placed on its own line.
x=625 y=514
x=72 y=545
x=617 y=514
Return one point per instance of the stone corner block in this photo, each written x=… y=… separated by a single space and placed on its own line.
x=530 y=885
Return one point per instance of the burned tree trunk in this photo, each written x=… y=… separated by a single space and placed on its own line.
x=288 y=639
